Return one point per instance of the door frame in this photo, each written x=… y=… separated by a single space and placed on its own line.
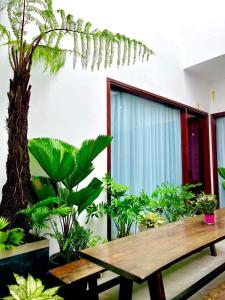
x=185 y=109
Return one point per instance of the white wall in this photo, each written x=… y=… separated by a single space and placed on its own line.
x=218 y=104
x=72 y=104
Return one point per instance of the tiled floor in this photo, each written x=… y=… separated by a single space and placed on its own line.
x=180 y=276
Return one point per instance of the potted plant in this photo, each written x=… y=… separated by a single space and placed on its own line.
x=58 y=193
x=123 y=209
x=206 y=204
x=150 y=220
x=173 y=201
x=50 y=27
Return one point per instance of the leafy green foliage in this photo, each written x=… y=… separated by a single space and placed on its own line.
x=40 y=213
x=54 y=156
x=59 y=194
x=76 y=239
x=54 y=26
x=206 y=204
x=124 y=210
x=9 y=239
x=221 y=172
x=152 y=219
x=31 y=289
x=174 y=201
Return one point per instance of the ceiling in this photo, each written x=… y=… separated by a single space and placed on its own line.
x=211 y=70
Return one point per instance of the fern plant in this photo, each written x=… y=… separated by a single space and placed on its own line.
x=9 y=239
x=91 y=47
x=31 y=289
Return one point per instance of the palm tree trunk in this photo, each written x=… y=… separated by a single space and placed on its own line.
x=15 y=192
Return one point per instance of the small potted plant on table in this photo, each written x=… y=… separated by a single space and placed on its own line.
x=151 y=220
x=206 y=204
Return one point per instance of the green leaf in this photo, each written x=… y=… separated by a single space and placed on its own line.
x=17 y=292
x=221 y=172
x=86 y=196
x=83 y=158
x=3 y=223
x=20 y=280
x=54 y=156
x=31 y=285
x=51 y=291
x=223 y=185
x=16 y=236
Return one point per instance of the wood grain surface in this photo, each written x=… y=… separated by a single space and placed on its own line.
x=76 y=270
x=138 y=256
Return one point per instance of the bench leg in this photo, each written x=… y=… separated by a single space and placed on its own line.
x=92 y=288
x=213 y=250
x=126 y=287
x=156 y=288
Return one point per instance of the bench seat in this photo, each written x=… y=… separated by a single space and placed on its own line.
x=77 y=270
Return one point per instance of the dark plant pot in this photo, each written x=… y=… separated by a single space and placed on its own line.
x=30 y=258
x=58 y=259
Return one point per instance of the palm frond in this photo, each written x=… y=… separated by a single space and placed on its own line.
x=94 y=48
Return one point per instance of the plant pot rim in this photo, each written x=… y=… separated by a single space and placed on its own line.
x=25 y=248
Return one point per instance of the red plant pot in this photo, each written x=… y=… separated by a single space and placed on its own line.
x=209 y=219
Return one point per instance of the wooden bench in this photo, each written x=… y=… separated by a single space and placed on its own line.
x=84 y=271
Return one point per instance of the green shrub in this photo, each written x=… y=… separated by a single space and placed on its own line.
x=31 y=289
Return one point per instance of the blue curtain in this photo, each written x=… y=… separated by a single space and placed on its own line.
x=220 y=145
x=146 y=146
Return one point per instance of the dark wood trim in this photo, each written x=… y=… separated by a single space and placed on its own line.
x=214 y=155
x=109 y=222
x=184 y=147
x=153 y=97
x=108 y=284
x=218 y=115
x=214 y=117
x=205 y=150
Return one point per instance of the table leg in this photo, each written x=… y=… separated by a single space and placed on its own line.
x=126 y=287
x=213 y=250
x=156 y=288
x=92 y=283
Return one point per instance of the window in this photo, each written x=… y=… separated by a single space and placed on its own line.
x=146 y=147
x=155 y=140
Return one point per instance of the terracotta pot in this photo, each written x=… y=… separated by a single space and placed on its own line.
x=209 y=219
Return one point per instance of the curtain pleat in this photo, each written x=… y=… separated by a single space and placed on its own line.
x=146 y=146
x=220 y=145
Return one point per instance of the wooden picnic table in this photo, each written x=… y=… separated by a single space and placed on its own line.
x=143 y=256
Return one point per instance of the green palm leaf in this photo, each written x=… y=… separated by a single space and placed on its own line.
x=88 y=151
x=54 y=156
x=3 y=223
x=86 y=196
x=221 y=172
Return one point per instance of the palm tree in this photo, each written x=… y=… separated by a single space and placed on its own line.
x=47 y=47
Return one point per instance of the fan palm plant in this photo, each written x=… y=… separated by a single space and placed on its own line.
x=59 y=194
x=46 y=45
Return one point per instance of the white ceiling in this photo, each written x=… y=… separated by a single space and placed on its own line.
x=211 y=70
